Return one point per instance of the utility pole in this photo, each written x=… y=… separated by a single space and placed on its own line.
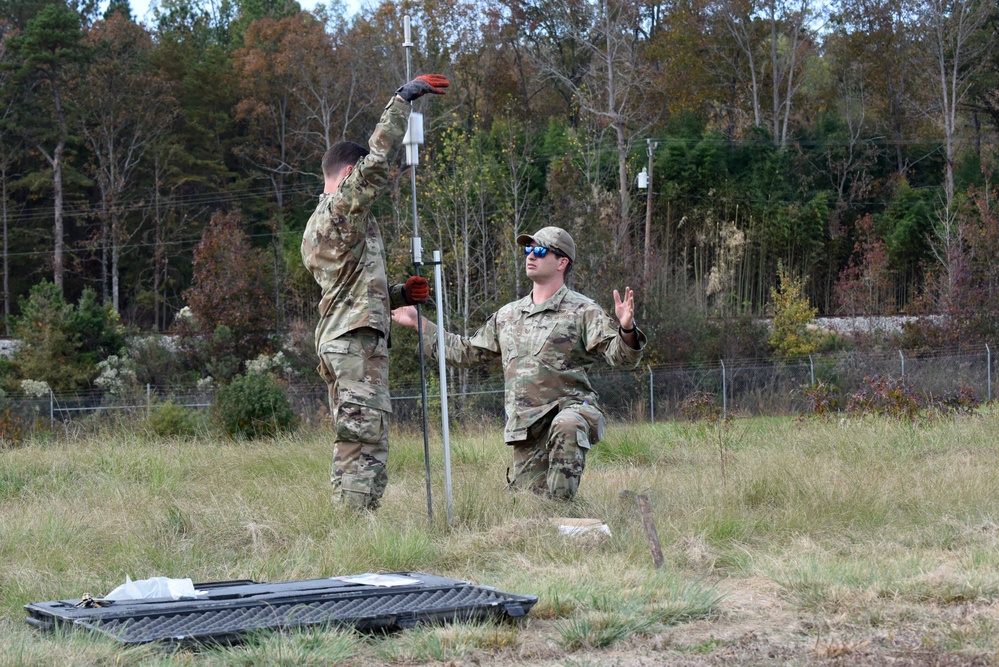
x=651 y=149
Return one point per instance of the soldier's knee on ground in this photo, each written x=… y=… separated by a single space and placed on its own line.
x=567 y=442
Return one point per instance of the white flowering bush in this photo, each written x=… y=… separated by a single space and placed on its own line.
x=35 y=388
x=265 y=364
x=116 y=376
x=206 y=384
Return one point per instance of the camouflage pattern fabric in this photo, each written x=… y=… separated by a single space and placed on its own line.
x=342 y=246
x=553 y=416
x=356 y=368
x=551 y=461
x=546 y=350
x=343 y=249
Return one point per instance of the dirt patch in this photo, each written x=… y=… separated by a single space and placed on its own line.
x=757 y=626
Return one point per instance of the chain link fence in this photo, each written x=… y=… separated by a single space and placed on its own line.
x=741 y=387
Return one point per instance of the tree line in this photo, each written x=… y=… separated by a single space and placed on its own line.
x=847 y=145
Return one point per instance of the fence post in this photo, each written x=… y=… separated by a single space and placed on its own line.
x=811 y=369
x=149 y=400
x=902 y=357
x=652 y=395
x=724 y=392
x=51 y=409
x=988 y=353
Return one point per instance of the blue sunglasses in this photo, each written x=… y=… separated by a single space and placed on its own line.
x=540 y=251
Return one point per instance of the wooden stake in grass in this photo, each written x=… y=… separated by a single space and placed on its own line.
x=651 y=534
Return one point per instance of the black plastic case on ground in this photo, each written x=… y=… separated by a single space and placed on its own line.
x=228 y=610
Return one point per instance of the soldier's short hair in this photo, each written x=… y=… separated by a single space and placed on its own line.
x=342 y=154
x=568 y=268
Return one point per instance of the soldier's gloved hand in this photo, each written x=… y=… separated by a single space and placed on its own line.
x=416 y=290
x=421 y=85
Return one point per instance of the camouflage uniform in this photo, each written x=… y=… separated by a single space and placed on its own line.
x=553 y=416
x=343 y=249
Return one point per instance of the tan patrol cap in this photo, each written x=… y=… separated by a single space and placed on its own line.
x=551 y=237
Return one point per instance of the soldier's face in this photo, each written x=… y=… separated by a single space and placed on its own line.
x=542 y=269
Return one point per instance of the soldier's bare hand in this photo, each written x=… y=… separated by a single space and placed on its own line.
x=625 y=308
x=406 y=316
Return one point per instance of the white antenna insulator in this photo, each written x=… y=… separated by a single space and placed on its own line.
x=412 y=155
x=414 y=131
x=405 y=31
x=417 y=248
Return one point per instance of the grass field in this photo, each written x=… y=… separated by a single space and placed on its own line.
x=857 y=542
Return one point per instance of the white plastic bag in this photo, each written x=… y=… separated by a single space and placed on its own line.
x=156 y=587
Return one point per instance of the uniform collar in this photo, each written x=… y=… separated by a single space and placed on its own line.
x=551 y=303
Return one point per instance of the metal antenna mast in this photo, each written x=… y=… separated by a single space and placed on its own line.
x=412 y=141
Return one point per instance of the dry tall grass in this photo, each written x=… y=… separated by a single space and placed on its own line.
x=874 y=524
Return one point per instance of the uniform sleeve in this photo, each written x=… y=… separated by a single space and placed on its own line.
x=465 y=351
x=370 y=176
x=603 y=338
x=397 y=297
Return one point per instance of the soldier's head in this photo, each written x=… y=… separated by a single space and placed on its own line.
x=339 y=161
x=550 y=253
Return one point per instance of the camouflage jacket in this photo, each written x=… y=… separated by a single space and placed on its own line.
x=545 y=350
x=342 y=246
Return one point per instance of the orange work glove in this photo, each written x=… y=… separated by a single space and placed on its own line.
x=421 y=85
x=416 y=290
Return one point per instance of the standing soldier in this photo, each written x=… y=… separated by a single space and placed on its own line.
x=343 y=249
x=546 y=342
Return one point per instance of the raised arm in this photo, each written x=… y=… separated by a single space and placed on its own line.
x=370 y=177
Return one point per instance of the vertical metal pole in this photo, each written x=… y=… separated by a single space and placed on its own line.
x=149 y=399
x=650 y=148
x=988 y=354
x=442 y=370
x=724 y=392
x=51 y=409
x=902 y=357
x=652 y=394
x=417 y=248
x=811 y=368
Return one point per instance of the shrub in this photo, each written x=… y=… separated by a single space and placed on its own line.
x=169 y=420
x=11 y=426
x=117 y=376
x=822 y=399
x=790 y=336
x=253 y=405
x=157 y=361
x=701 y=407
x=885 y=396
x=960 y=402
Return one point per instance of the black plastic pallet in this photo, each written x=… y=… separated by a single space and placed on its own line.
x=226 y=611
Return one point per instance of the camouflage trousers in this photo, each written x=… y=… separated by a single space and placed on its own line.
x=551 y=461
x=355 y=367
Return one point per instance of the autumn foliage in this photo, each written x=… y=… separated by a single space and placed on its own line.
x=229 y=287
